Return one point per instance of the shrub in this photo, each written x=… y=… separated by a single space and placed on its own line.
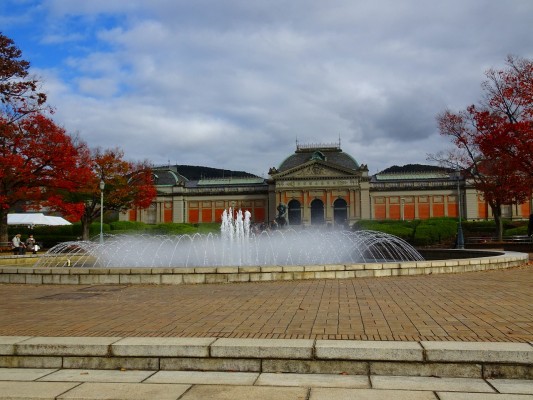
x=175 y=229
x=417 y=232
x=434 y=231
x=520 y=230
x=479 y=228
x=402 y=229
x=213 y=227
x=128 y=226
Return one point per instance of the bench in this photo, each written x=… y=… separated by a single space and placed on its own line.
x=505 y=239
x=6 y=247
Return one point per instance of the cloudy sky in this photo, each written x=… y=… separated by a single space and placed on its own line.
x=234 y=83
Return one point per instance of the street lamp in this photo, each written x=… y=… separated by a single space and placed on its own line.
x=460 y=238
x=102 y=187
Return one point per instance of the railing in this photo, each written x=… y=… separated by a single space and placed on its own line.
x=312 y=146
x=505 y=239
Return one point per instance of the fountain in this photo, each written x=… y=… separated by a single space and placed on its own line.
x=236 y=245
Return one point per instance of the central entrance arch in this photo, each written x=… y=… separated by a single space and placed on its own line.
x=317 y=212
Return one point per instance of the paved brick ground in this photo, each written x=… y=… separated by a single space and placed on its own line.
x=481 y=306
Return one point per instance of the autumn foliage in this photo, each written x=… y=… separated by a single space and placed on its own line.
x=42 y=166
x=39 y=161
x=127 y=185
x=19 y=93
x=494 y=139
x=505 y=122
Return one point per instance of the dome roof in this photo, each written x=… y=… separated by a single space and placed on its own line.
x=332 y=154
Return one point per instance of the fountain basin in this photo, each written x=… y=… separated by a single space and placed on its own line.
x=20 y=270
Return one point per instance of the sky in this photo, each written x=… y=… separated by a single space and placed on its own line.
x=236 y=84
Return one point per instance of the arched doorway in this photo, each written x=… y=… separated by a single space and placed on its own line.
x=340 y=212
x=295 y=212
x=317 y=212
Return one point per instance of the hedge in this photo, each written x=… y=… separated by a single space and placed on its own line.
x=435 y=231
x=402 y=229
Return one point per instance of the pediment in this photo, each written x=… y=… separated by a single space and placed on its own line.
x=315 y=169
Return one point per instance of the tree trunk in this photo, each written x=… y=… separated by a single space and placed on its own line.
x=85 y=224
x=4 y=236
x=497 y=212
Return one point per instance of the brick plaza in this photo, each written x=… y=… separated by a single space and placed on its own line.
x=481 y=306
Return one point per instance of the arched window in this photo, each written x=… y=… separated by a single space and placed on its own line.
x=317 y=212
x=295 y=212
x=340 y=212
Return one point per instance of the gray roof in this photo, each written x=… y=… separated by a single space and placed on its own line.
x=226 y=183
x=166 y=177
x=332 y=155
x=170 y=175
x=413 y=172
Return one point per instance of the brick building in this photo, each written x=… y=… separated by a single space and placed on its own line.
x=318 y=184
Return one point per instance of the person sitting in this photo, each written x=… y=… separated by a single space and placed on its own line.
x=31 y=245
x=19 y=248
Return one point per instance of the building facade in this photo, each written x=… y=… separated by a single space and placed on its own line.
x=318 y=184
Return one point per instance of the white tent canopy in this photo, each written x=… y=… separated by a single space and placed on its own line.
x=35 y=219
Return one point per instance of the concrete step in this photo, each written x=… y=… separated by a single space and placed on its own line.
x=483 y=360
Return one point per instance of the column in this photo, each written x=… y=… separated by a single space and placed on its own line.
x=329 y=207
x=306 y=218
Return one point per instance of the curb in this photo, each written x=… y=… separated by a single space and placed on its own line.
x=371 y=358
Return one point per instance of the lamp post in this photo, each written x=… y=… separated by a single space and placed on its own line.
x=460 y=238
x=102 y=187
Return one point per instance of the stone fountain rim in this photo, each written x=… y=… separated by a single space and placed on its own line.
x=216 y=275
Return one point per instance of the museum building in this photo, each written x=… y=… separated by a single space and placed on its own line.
x=318 y=184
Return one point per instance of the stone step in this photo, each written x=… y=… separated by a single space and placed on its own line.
x=370 y=358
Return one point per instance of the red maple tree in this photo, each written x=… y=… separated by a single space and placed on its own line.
x=127 y=185
x=19 y=92
x=493 y=141
x=42 y=166
x=38 y=162
x=505 y=118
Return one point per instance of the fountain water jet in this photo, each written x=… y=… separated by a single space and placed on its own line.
x=235 y=246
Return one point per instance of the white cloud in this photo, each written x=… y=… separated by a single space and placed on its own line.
x=233 y=84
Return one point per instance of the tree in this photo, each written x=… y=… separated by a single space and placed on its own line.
x=127 y=185
x=505 y=120
x=38 y=161
x=493 y=177
x=493 y=140
x=19 y=94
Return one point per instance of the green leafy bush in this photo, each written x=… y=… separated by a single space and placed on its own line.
x=128 y=226
x=174 y=229
x=418 y=232
x=402 y=229
x=94 y=229
x=520 y=230
x=434 y=231
x=479 y=228
x=212 y=227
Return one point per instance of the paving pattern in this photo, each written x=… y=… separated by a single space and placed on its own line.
x=186 y=385
x=481 y=306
